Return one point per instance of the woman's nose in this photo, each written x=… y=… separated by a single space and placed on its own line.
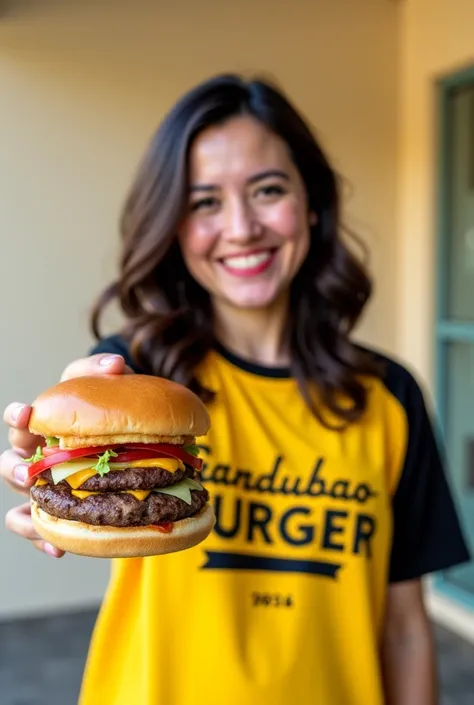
x=242 y=224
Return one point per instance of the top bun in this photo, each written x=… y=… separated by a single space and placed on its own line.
x=100 y=410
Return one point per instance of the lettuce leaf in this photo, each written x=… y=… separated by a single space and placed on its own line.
x=61 y=471
x=52 y=441
x=181 y=489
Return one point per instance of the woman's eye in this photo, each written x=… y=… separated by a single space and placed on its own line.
x=204 y=204
x=270 y=190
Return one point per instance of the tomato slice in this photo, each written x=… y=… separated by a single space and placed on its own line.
x=62 y=456
x=137 y=451
x=170 y=450
x=130 y=456
x=51 y=451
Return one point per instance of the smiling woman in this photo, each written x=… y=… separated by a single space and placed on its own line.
x=236 y=208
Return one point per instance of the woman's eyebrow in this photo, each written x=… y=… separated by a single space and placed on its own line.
x=202 y=187
x=267 y=174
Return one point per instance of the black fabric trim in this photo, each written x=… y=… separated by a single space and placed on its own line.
x=427 y=534
x=116 y=345
x=247 y=366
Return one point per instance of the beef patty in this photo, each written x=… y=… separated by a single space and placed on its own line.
x=116 y=509
x=129 y=479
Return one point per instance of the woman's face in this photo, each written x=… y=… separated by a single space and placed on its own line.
x=247 y=229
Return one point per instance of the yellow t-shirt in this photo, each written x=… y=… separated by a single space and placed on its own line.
x=284 y=602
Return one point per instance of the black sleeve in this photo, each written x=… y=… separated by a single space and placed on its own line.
x=427 y=535
x=115 y=345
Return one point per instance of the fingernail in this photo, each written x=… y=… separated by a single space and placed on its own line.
x=20 y=473
x=108 y=360
x=16 y=411
x=51 y=550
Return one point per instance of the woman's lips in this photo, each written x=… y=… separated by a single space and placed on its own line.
x=248 y=265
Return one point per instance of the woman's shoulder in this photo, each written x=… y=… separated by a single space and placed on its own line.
x=399 y=380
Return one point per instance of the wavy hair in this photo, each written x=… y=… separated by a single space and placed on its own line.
x=169 y=315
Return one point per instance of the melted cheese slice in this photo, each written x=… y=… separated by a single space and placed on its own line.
x=138 y=494
x=40 y=481
x=80 y=477
x=82 y=494
x=169 y=464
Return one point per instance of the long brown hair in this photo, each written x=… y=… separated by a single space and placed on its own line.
x=169 y=315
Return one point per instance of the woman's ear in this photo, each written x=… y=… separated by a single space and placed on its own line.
x=313 y=218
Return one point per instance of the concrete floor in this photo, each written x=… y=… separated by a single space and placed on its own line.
x=41 y=661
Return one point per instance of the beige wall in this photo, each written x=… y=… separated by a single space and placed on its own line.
x=80 y=93
x=437 y=39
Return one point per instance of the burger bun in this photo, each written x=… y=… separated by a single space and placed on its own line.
x=122 y=542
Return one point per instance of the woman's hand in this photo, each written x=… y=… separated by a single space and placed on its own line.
x=13 y=467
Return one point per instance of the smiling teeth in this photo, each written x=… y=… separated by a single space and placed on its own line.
x=248 y=262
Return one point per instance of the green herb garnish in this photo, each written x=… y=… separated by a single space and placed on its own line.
x=102 y=466
x=52 y=441
x=37 y=456
x=192 y=449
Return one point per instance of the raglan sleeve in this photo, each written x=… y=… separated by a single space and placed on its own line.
x=427 y=536
x=114 y=345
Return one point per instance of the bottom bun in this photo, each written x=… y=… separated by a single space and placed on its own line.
x=121 y=542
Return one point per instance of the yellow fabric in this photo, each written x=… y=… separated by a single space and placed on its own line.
x=175 y=632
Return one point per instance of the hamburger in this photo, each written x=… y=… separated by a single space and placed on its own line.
x=118 y=473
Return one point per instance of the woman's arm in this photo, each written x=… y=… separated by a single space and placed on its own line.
x=408 y=654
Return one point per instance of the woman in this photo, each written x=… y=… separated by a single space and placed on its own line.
x=329 y=492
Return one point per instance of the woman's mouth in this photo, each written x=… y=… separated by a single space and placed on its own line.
x=249 y=265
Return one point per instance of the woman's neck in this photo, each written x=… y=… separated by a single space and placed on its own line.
x=258 y=335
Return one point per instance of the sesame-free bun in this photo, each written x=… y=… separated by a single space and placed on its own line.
x=101 y=410
x=117 y=542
